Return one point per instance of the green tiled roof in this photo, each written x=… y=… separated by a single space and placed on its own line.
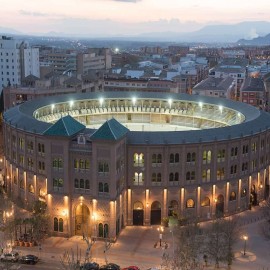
x=65 y=126
x=110 y=130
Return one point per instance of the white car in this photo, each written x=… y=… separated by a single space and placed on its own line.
x=13 y=257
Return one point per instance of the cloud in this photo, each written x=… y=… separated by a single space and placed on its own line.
x=127 y=1
x=35 y=14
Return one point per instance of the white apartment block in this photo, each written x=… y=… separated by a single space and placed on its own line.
x=17 y=60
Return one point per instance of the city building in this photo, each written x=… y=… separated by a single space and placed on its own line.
x=253 y=92
x=103 y=161
x=94 y=59
x=215 y=87
x=17 y=61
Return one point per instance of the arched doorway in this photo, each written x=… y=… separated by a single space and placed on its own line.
x=138 y=214
x=82 y=220
x=155 y=213
x=253 y=196
x=220 y=206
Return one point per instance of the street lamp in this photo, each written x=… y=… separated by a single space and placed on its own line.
x=245 y=237
x=160 y=230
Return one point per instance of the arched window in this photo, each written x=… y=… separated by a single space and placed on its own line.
x=76 y=164
x=159 y=177
x=106 y=187
x=87 y=184
x=61 y=225
x=81 y=183
x=154 y=177
x=188 y=176
x=106 y=230
x=81 y=164
x=100 y=230
x=190 y=203
x=232 y=196
x=31 y=188
x=159 y=158
x=171 y=158
x=188 y=157
x=100 y=187
x=87 y=164
x=76 y=183
x=177 y=158
x=205 y=202
x=138 y=179
x=55 y=224
x=60 y=163
x=22 y=184
x=193 y=157
x=137 y=206
x=209 y=155
x=176 y=176
x=171 y=177
x=154 y=158
x=55 y=163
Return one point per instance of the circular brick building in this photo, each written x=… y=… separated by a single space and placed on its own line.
x=103 y=161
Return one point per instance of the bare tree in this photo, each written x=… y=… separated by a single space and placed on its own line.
x=231 y=234
x=215 y=242
x=70 y=261
x=265 y=225
x=188 y=248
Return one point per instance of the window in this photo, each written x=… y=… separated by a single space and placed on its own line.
x=138 y=179
x=206 y=157
x=22 y=184
x=103 y=187
x=190 y=175
x=190 y=203
x=234 y=152
x=206 y=175
x=58 y=183
x=76 y=183
x=221 y=155
x=232 y=196
x=103 y=167
x=31 y=188
x=41 y=148
x=191 y=157
x=58 y=224
x=245 y=149
x=138 y=160
x=21 y=143
x=57 y=163
x=205 y=202
x=220 y=173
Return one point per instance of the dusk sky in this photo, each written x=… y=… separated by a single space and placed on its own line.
x=123 y=17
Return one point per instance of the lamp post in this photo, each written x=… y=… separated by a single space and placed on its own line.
x=160 y=230
x=245 y=237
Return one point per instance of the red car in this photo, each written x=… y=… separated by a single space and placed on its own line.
x=131 y=268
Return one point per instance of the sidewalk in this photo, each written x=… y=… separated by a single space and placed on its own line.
x=136 y=246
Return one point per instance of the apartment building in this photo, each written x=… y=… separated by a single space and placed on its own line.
x=17 y=60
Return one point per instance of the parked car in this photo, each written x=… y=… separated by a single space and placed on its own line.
x=131 y=268
x=90 y=266
x=29 y=259
x=12 y=256
x=110 y=266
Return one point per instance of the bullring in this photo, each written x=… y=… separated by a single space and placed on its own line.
x=103 y=161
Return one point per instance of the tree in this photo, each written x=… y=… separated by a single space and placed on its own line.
x=231 y=234
x=188 y=248
x=215 y=243
x=265 y=225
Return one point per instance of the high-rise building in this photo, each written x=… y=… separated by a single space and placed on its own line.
x=17 y=61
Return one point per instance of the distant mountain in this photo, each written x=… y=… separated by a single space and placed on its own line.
x=223 y=33
x=8 y=31
x=215 y=33
x=265 y=40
